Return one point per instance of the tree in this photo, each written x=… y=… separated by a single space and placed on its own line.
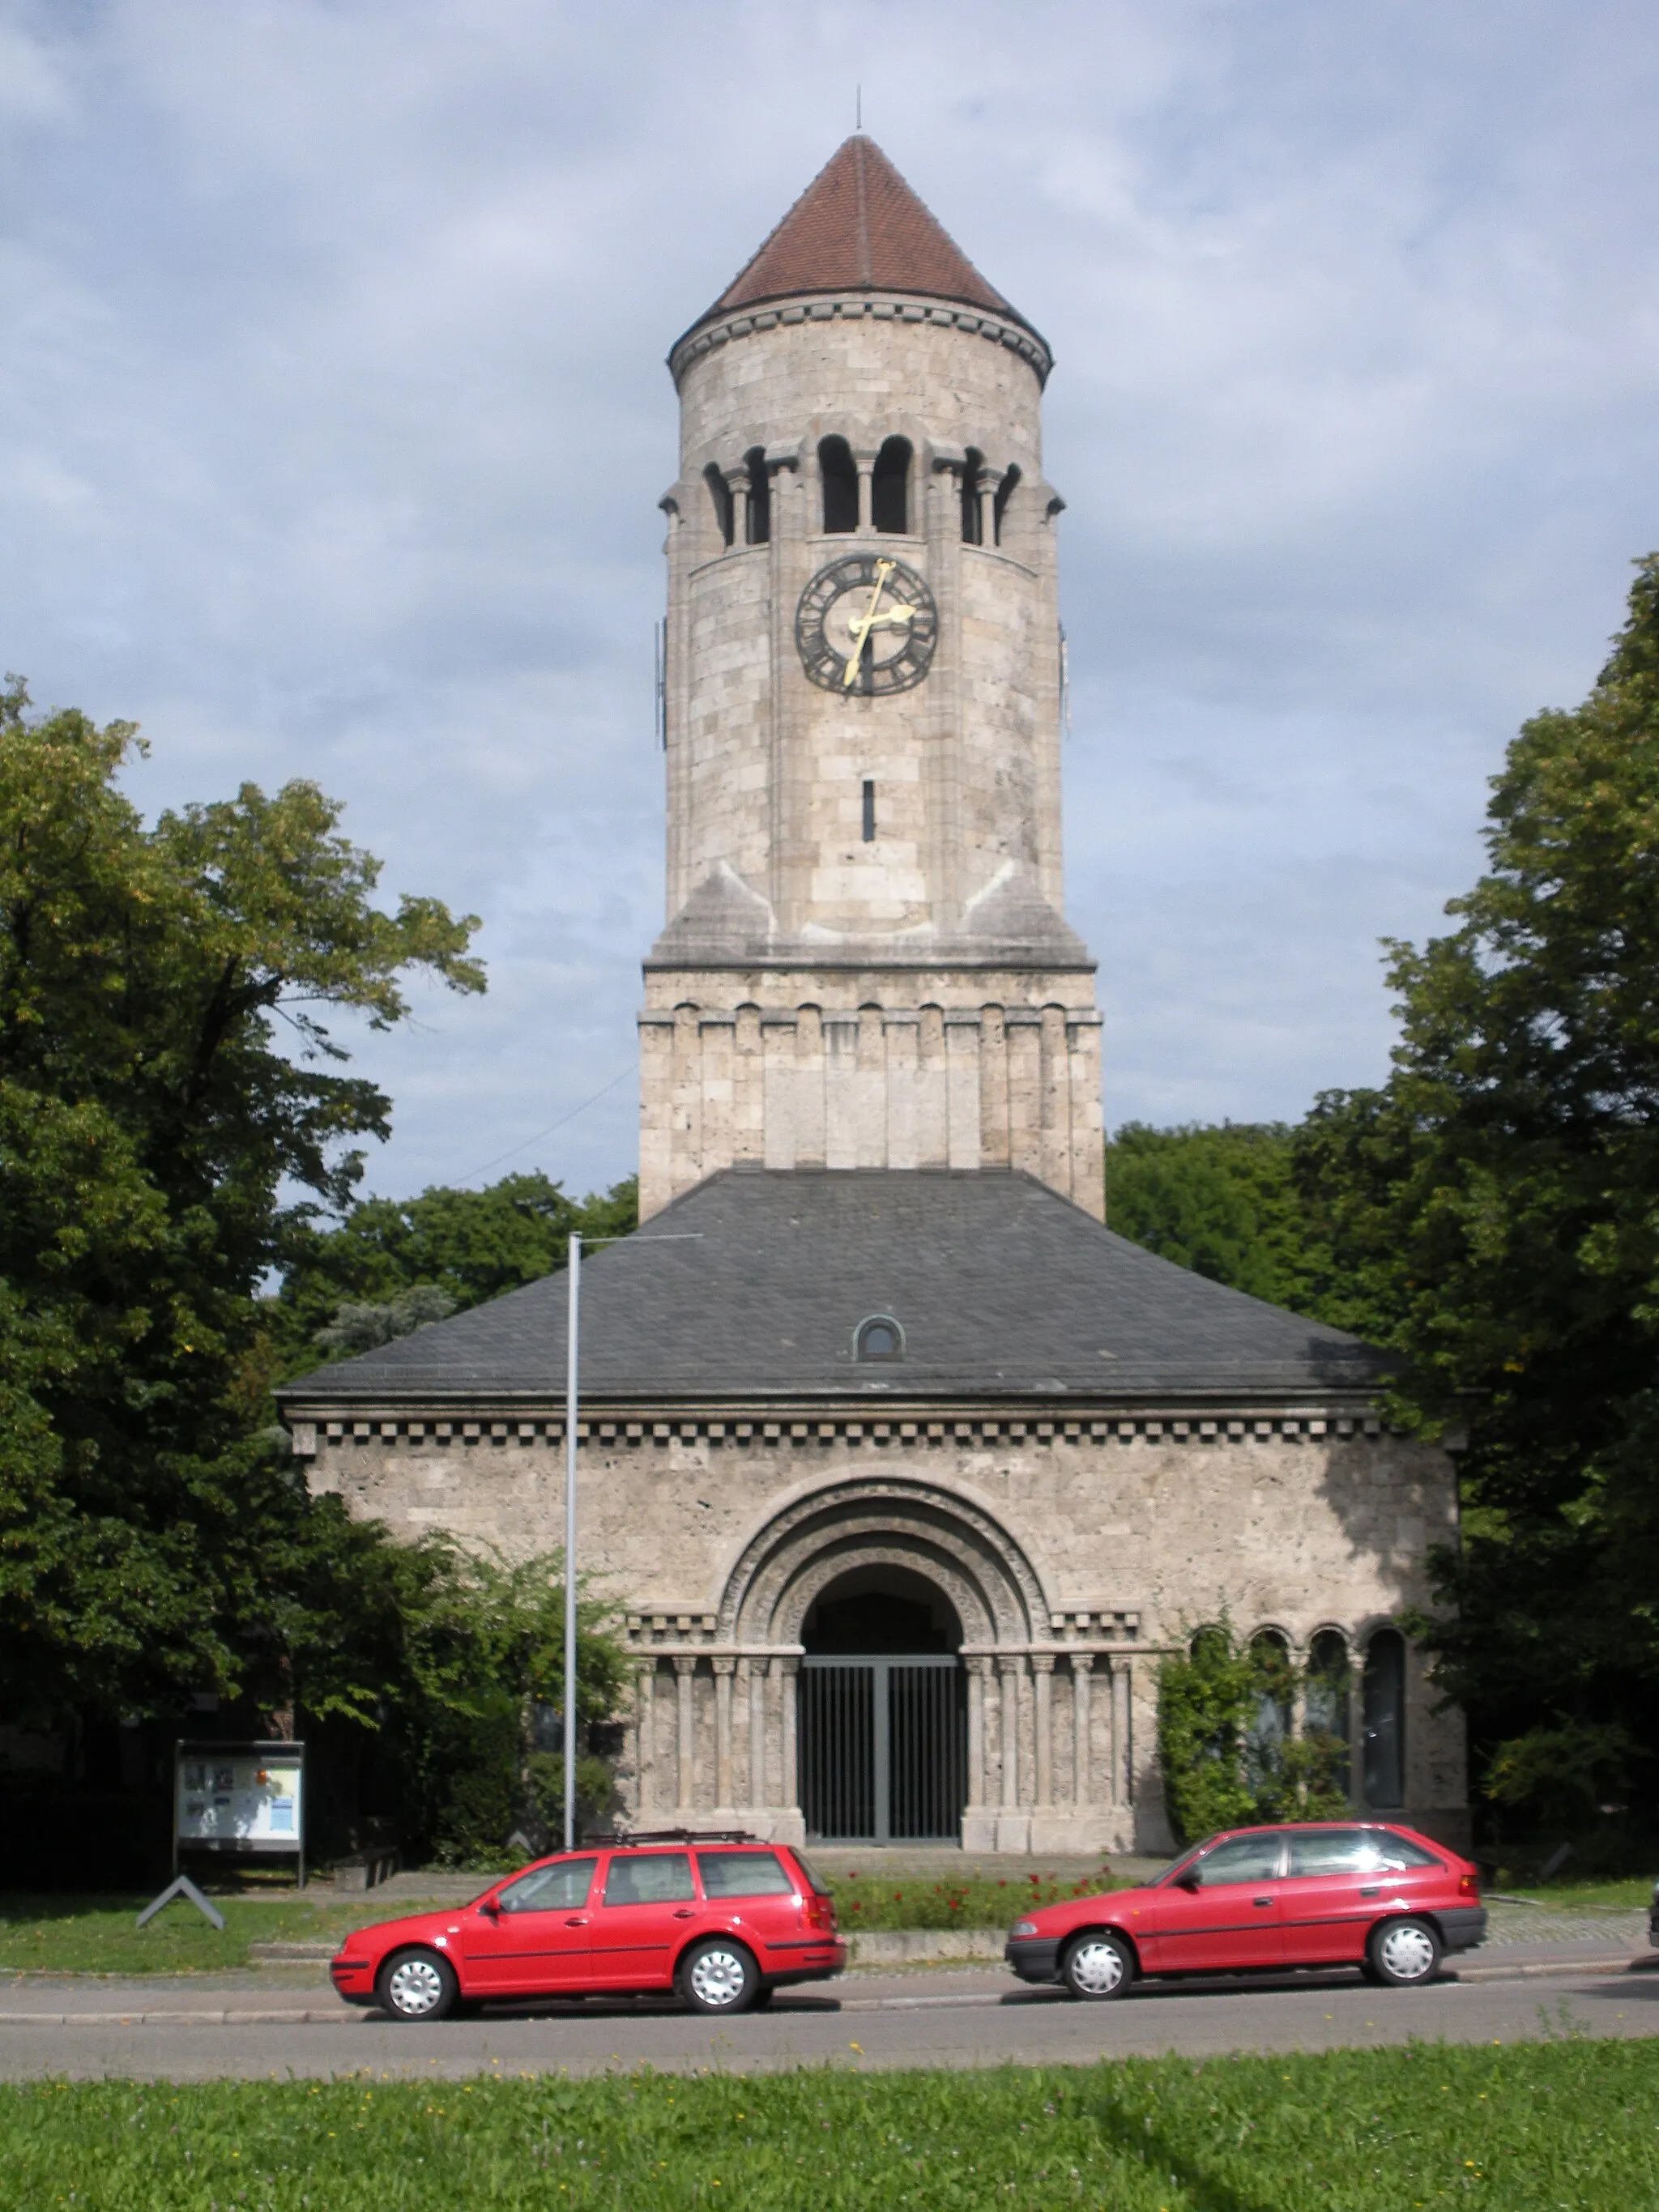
x=463 y=1245
x=1494 y=1214
x=158 y=1153
x=1221 y=1201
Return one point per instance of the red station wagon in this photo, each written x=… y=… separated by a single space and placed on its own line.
x=1266 y=1901
x=723 y=1919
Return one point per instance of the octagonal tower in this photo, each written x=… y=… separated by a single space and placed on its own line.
x=865 y=962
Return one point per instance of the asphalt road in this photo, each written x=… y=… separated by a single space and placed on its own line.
x=958 y=2019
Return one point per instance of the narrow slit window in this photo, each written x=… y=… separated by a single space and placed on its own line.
x=869 y=812
x=721 y=492
x=759 y=503
x=838 y=472
x=972 y=532
x=1005 y=492
x=890 y=488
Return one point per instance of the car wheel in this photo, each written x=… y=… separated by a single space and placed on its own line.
x=1402 y=1953
x=719 y=1977
x=1099 y=1967
x=417 y=1986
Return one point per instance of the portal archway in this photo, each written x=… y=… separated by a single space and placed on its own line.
x=879 y=1584
x=881 y=1740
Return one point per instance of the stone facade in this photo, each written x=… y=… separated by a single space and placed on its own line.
x=1075 y=1551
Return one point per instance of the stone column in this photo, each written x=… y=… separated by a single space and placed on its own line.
x=724 y=1664
x=789 y=1788
x=866 y=468
x=977 y=1669
x=1010 y=1666
x=1042 y=1666
x=990 y=481
x=759 y=1793
x=685 y=1667
x=1082 y=1666
x=645 y=1733
x=1123 y=1753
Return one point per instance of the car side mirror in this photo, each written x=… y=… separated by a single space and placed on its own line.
x=491 y=1906
x=1191 y=1880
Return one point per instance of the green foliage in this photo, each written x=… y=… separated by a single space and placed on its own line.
x=1494 y=1213
x=873 y=1901
x=1563 y=2125
x=1224 y=1745
x=1562 y=1778
x=151 y=1137
x=481 y=1673
x=468 y=1245
x=1221 y=1201
x=357 y=1328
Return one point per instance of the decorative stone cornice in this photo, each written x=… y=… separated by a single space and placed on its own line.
x=883 y=306
x=897 y=1428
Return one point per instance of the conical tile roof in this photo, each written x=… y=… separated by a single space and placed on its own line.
x=859 y=226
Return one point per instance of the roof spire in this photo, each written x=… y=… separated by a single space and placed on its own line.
x=859 y=226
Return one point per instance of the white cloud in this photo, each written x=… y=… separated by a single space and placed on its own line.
x=335 y=419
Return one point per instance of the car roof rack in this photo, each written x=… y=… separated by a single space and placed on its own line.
x=678 y=1835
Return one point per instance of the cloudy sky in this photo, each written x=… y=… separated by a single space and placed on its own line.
x=333 y=418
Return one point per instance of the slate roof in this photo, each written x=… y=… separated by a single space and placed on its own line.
x=1002 y=1288
x=859 y=226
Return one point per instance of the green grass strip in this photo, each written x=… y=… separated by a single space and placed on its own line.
x=1544 y=2127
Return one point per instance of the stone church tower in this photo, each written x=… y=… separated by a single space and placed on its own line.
x=865 y=964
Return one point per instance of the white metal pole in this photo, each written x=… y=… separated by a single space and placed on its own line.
x=571 y=1410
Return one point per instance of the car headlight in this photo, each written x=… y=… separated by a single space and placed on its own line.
x=1023 y=1928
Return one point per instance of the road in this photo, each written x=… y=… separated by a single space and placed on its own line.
x=966 y=2018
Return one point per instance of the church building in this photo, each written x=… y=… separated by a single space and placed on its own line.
x=900 y=1471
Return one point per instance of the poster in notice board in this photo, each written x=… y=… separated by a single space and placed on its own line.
x=240 y=1796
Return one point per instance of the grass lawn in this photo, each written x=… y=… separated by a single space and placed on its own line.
x=1635 y=1892
x=97 y=1934
x=1546 y=2127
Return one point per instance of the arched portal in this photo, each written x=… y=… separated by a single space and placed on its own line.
x=879 y=1583
x=882 y=1741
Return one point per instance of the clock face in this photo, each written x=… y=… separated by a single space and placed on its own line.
x=867 y=624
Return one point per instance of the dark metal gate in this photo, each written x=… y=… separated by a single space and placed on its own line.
x=882 y=1749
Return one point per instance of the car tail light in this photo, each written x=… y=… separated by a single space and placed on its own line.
x=1470 y=1886
x=821 y=1913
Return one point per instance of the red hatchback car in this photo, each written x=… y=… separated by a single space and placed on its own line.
x=724 y=1920
x=1266 y=1901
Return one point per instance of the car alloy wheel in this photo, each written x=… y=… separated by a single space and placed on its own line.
x=417 y=1986
x=1404 y=1953
x=1099 y=1967
x=719 y=1977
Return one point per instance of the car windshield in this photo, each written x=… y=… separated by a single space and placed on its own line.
x=1170 y=1872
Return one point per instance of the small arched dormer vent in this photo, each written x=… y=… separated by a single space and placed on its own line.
x=878 y=1339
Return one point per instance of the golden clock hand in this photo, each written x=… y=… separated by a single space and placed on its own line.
x=893 y=617
x=883 y=570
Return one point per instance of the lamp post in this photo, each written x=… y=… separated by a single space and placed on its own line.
x=572 y=1409
x=572 y=1392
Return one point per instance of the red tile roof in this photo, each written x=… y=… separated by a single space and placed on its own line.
x=858 y=225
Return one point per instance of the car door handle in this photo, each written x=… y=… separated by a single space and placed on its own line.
x=685 y=1913
x=1262 y=1900
x=577 y=1920
x=1375 y=1890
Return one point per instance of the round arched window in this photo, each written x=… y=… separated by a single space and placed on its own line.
x=879 y=1338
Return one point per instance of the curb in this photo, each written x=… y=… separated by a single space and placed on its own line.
x=342 y=2016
